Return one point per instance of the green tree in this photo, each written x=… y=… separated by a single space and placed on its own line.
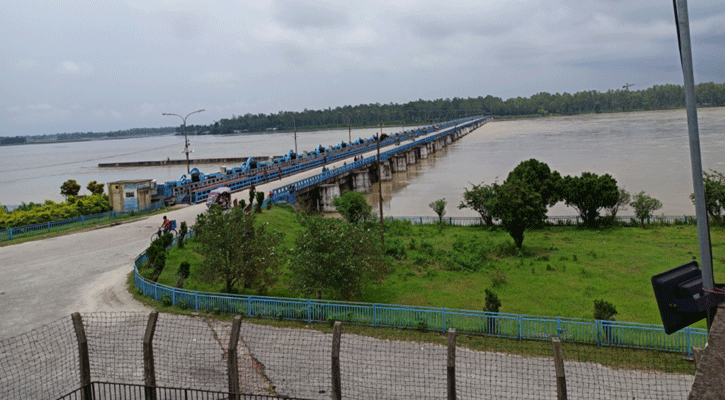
x=236 y=251
x=352 y=206
x=336 y=259
x=439 y=207
x=542 y=180
x=518 y=207
x=590 y=193
x=714 y=185
x=644 y=206
x=477 y=199
x=95 y=187
x=623 y=200
x=70 y=188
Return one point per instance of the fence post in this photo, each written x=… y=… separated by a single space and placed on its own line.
x=85 y=363
x=697 y=355
x=148 y=357
x=687 y=338
x=232 y=362
x=375 y=314
x=451 y=364
x=559 y=366
x=11 y=233
x=336 y=378
x=309 y=311
x=598 y=325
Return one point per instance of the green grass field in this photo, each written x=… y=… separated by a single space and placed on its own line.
x=560 y=272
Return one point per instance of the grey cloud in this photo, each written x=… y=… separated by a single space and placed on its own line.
x=309 y=15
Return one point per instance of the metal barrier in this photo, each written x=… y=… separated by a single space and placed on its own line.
x=27 y=230
x=514 y=326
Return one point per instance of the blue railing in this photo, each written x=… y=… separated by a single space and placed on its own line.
x=20 y=231
x=240 y=180
x=513 y=326
x=282 y=192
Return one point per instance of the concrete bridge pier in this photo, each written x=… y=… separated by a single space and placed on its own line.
x=410 y=157
x=448 y=139
x=423 y=151
x=399 y=163
x=386 y=172
x=430 y=146
x=327 y=193
x=361 y=181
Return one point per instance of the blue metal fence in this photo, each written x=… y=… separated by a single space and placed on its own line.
x=556 y=220
x=513 y=326
x=27 y=230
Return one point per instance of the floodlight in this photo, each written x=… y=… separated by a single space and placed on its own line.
x=681 y=298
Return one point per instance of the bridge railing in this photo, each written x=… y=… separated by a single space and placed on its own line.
x=29 y=230
x=513 y=326
x=384 y=156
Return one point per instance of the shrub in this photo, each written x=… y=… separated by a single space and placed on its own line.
x=184 y=269
x=166 y=300
x=604 y=310
x=396 y=249
x=183 y=230
x=493 y=304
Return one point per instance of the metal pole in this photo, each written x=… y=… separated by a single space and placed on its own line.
x=186 y=145
x=186 y=148
x=703 y=228
x=380 y=194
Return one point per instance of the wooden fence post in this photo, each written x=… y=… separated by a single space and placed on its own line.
x=85 y=363
x=148 y=357
x=452 y=364
x=336 y=378
x=232 y=362
x=559 y=366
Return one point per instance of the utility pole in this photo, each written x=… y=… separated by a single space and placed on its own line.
x=380 y=192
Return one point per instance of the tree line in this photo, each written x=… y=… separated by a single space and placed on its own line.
x=430 y=111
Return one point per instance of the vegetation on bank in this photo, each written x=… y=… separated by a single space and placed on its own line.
x=658 y=97
x=74 y=206
x=561 y=270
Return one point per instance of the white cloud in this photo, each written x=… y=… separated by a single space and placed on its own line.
x=116 y=114
x=68 y=67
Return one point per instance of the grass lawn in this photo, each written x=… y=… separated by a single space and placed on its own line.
x=560 y=272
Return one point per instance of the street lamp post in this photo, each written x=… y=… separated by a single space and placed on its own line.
x=186 y=139
x=294 y=123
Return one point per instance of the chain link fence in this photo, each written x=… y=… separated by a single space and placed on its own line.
x=188 y=352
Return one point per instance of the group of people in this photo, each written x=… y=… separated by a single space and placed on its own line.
x=358 y=158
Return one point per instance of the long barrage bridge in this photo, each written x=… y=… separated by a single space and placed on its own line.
x=407 y=148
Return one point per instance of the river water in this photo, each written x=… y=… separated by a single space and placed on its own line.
x=642 y=150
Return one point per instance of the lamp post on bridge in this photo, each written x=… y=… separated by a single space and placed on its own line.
x=186 y=139
x=294 y=123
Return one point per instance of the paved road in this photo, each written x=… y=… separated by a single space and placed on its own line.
x=42 y=281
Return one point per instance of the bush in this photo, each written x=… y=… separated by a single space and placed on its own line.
x=184 y=269
x=493 y=304
x=604 y=310
x=183 y=230
x=166 y=300
x=396 y=249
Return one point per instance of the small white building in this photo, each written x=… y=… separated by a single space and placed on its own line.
x=130 y=195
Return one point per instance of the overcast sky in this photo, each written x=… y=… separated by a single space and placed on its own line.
x=69 y=66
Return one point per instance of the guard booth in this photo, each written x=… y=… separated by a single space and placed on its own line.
x=131 y=195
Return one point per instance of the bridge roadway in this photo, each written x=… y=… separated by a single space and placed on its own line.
x=45 y=280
